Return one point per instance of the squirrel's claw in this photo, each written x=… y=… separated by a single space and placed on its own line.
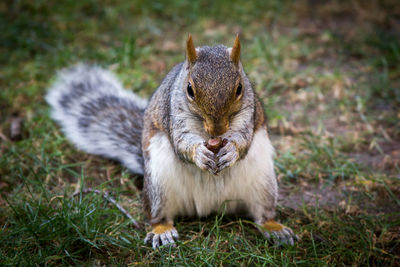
x=279 y=234
x=205 y=159
x=157 y=240
x=283 y=237
x=165 y=238
x=227 y=156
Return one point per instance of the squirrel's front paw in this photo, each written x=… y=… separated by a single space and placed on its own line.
x=161 y=235
x=279 y=233
x=205 y=159
x=227 y=156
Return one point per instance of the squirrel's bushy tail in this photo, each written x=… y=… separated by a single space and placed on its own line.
x=98 y=115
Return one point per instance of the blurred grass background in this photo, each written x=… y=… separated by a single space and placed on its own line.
x=328 y=73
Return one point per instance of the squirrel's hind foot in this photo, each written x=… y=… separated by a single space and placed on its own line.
x=278 y=233
x=162 y=235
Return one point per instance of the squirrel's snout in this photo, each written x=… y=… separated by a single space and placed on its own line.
x=216 y=127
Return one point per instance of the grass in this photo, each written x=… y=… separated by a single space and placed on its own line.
x=327 y=72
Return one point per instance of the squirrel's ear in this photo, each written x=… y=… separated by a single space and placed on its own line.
x=235 y=52
x=191 y=54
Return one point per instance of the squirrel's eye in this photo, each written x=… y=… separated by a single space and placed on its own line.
x=239 y=90
x=190 y=91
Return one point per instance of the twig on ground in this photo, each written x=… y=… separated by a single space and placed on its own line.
x=112 y=201
x=4 y=137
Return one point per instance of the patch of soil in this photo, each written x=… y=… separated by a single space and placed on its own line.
x=319 y=195
x=385 y=158
x=378 y=200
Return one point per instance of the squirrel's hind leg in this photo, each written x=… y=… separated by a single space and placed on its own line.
x=162 y=235
x=275 y=232
x=263 y=195
x=157 y=157
x=278 y=233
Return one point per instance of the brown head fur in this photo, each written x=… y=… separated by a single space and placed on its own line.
x=214 y=77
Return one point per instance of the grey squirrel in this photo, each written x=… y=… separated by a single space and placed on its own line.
x=201 y=142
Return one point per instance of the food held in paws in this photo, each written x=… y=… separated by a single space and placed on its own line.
x=215 y=144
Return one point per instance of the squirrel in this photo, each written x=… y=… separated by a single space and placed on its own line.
x=200 y=143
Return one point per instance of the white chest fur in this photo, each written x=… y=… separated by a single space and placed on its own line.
x=189 y=191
